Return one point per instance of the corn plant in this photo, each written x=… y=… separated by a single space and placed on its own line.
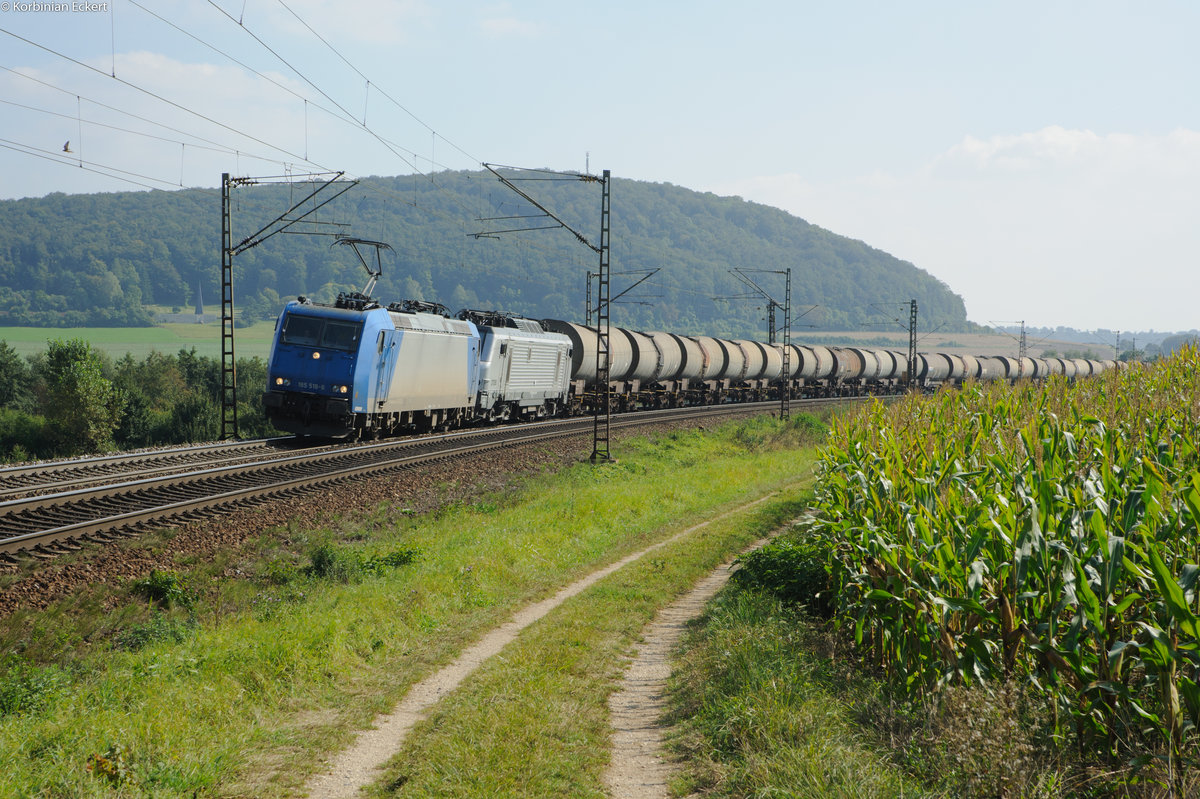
x=1047 y=534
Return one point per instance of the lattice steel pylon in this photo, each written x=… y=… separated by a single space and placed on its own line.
x=603 y=395
x=772 y=306
x=912 y=345
x=785 y=379
x=229 y=420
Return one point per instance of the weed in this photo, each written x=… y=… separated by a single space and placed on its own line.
x=278 y=571
x=160 y=628
x=266 y=604
x=380 y=564
x=164 y=588
x=110 y=766
x=331 y=563
x=25 y=687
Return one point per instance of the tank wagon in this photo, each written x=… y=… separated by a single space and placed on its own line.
x=358 y=369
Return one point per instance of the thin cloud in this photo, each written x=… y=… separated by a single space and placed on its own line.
x=1046 y=225
x=501 y=23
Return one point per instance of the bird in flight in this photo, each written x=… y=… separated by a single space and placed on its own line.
x=67 y=147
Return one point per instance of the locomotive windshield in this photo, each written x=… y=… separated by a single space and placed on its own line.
x=312 y=331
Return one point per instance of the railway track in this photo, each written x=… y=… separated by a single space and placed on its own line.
x=115 y=497
x=17 y=482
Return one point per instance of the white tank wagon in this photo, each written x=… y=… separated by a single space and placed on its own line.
x=991 y=368
x=583 y=352
x=756 y=359
x=890 y=367
x=1011 y=366
x=644 y=360
x=770 y=374
x=715 y=358
x=735 y=361
x=671 y=354
x=1026 y=369
x=691 y=364
x=870 y=363
x=773 y=370
x=932 y=367
x=824 y=364
x=794 y=360
x=848 y=364
x=958 y=368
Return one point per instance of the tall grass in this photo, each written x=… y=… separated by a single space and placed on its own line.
x=760 y=712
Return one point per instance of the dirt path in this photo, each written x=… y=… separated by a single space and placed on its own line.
x=358 y=766
x=638 y=769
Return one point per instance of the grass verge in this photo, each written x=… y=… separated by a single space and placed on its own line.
x=533 y=722
x=769 y=698
x=761 y=710
x=220 y=681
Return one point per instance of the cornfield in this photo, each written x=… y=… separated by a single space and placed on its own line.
x=1044 y=534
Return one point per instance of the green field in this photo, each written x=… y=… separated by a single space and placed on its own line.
x=140 y=341
x=238 y=673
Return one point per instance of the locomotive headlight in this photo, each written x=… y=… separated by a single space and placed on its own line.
x=341 y=389
x=279 y=381
x=316 y=356
x=283 y=381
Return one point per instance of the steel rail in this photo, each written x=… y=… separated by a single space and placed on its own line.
x=125 y=507
x=39 y=476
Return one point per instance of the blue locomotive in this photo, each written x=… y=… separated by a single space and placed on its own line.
x=358 y=369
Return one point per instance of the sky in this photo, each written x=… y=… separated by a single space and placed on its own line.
x=1041 y=158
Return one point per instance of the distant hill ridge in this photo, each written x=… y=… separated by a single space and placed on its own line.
x=97 y=259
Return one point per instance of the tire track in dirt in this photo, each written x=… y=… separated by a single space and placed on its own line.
x=359 y=765
x=638 y=769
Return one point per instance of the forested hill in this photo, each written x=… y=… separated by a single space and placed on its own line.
x=97 y=259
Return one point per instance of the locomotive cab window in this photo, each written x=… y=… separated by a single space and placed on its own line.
x=311 y=331
x=340 y=335
x=304 y=331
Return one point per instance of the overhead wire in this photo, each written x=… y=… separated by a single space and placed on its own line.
x=344 y=114
x=359 y=72
x=160 y=98
x=140 y=118
x=87 y=166
x=98 y=124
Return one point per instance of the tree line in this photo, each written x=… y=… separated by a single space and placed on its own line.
x=73 y=399
x=102 y=259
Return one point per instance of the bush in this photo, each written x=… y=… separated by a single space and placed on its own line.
x=23 y=435
x=793 y=570
x=378 y=564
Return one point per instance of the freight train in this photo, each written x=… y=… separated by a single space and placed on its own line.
x=358 y=369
